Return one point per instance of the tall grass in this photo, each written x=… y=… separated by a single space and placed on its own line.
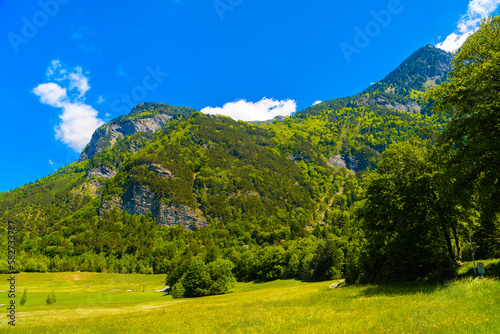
x=464 y=306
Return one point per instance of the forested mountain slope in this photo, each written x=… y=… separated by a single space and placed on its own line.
x=226 y=183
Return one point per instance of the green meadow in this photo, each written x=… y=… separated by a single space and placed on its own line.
x=113 y=303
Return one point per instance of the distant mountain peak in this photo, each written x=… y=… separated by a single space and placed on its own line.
x=401 y=89
x=426 y=67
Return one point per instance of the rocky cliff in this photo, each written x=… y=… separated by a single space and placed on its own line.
x=145 y=118
x=138 y=199
x=109 y=134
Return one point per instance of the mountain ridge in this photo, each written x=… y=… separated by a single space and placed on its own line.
x=161 y=172
x=394 y=91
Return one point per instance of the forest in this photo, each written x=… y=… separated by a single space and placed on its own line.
x=348 y=189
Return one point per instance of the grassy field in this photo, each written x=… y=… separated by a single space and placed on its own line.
x=107 y=306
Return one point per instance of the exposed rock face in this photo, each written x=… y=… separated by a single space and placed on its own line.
x=104 y=172
x=298 y=157
x=352 y=163
x=407 y=106
x=160 y=170
x=348 y=161
x=114 y=203
x=106 y=136
x=140 y=200
x=336 y=161
x=252 y=193
x=178 y=215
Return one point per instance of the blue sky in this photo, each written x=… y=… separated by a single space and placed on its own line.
x=68 y=66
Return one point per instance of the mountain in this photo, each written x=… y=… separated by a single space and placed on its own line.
x=394 y=101
x=425 y=68
x=402 y=88
x=144 y=118
x=160 y=185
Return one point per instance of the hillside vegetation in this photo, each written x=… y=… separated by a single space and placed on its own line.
x=352 y=187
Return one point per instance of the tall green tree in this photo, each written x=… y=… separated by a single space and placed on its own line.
x=405 y=218
x=471 y=96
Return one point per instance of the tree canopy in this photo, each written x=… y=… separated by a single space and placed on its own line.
x=471 y=95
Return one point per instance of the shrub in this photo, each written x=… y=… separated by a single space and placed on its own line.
x=51 y=298
x=221 y=276
x=197 y=280
x=24 y=298
x=178 y=290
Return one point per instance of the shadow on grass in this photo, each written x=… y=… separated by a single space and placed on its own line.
x=492 y=268
x=399 y=289
x=297 y=280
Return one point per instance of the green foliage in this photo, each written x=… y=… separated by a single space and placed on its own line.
x=403 y=219
x=470 y=96
x=278 y=202
x=220 y=272
x=24 y=298
x=35 y=207
x=147 y=110
x=328 y=261
x=51 y=298
x=204 y=280
x=178 y=291
x=196 y=281
x=426 y=67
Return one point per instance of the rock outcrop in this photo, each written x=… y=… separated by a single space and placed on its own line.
x=336 y=161
x=160 y=171
x=348 y=161
x=138 y=199
x=104 y=172
x=106 y=136
x=111 y=204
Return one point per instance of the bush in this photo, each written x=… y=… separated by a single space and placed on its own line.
x=197 y=280
x=203 y=279
x=24 y=298
x=221 y=276
x=51 y=298
x=4 y=267
x=30 y=266
x=42 y=267
x=178 y=291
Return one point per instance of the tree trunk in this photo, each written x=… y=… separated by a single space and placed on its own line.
x=457 y=242
x=448 y=242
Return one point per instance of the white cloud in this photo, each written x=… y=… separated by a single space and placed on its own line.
x=78 y=120
x=51 y=162
x=79 y=81
x=55 y=70
x=262 y=110
x=468 y=23
x=100 y=99
x=58 y=72
x=317 y=102
x=51 y=94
